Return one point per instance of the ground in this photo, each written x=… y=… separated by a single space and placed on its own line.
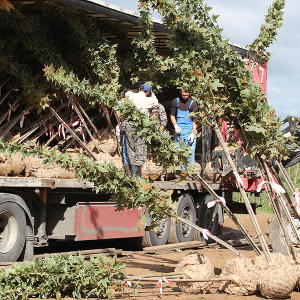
x=138 y=263
x=143 y=264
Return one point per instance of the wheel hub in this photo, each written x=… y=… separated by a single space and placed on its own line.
x=291 y=231
x=8 y=231
x=187 y=215
x=161 y=229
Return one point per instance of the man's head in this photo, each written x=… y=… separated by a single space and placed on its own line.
x=184 y=95
x=146 y=88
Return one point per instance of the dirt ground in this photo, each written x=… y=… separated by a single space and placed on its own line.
x=144 y=264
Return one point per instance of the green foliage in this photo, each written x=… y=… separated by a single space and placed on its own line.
x=163 y=149
x=127 y=192
x=62 y=276
x=203 y=63
x=268 y=32
x=145 y=58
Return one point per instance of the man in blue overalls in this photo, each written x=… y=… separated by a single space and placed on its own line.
x=184 y=125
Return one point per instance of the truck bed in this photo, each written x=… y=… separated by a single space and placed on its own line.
x=54 y=183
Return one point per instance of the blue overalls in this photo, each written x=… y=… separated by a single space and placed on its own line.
x=185 y=122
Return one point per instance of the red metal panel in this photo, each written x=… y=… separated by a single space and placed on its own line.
x=101 y=221
x=250 y=184
x=259 y=73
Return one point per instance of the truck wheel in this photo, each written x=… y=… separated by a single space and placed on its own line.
x=159 y=236
x=179 y=231
x=28 y=252
x=277 y=237
x=12 y=231
x=211 y=219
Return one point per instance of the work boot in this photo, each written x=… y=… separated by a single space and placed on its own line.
x=136 y=171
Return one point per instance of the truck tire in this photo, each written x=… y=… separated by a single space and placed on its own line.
x=277 y=237
x=159 y=236
x=12 y=231
x=211 y=219
x=180 y=232
x=28 y=252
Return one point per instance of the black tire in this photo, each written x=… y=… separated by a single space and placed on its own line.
x=28 y=252
x=12 y=231
x=210 y=218
x=158 y=237
x=180 y=232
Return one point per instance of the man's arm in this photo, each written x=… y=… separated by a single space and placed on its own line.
x=173 y=120
x=162 y=116
x=173 y=117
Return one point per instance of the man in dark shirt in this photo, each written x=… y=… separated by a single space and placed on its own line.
x=184 y=125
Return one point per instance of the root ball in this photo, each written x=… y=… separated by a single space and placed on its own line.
x=244 y=279
x=193 y=266
x=277 y=282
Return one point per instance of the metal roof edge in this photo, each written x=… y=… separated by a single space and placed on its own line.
x=99 y=6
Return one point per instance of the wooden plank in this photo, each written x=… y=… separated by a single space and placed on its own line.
x=75 y=183
x=52 y=183
x=183 y=185
x=85 y=253
x=170 y=247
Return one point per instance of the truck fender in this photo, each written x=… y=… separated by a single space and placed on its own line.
x=6 y=197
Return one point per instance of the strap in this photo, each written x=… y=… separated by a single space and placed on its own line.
x=192 y=102
x=177 y=102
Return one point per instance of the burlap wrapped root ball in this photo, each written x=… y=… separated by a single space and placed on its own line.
x=106 y=143
x=296 y=265
x=209 y=173
x=244 y=278
x=278 y=259
x=193 y=266
x=277 y=282
x=35 y=167
x=277 y=278
x=297 y=271
x=151 y=170
x=11 y=164
x=107 y=158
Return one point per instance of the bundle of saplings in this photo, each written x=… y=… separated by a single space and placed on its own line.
x=62 y=276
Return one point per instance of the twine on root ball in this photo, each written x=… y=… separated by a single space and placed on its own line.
x=193 y=266
x=277 y=282
x=243 y=277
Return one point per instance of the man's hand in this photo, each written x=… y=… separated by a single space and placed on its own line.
x=191 y=138
x=177 y=129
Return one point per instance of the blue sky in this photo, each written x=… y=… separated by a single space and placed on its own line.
x=241 y=21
